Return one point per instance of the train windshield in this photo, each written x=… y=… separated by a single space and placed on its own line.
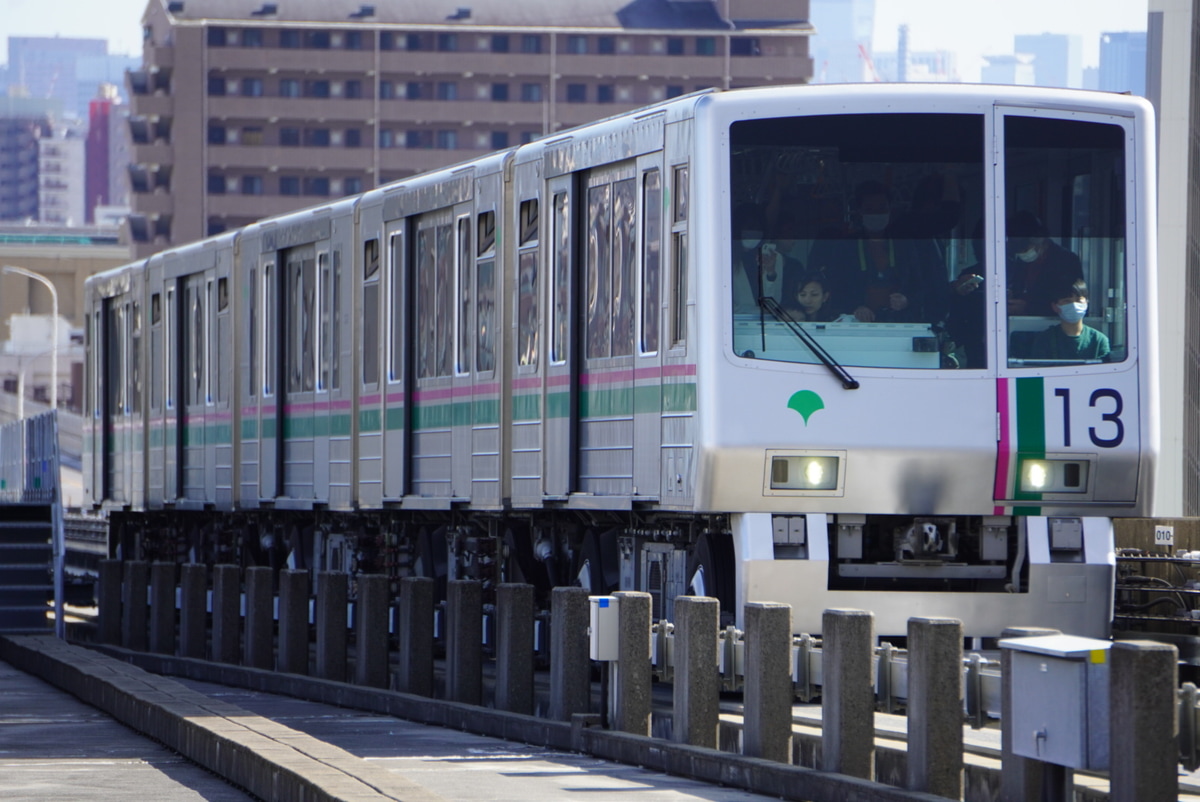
x=862 y=227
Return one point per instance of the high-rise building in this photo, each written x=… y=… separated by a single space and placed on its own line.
x=1057 y=58
x=1123 y=62
x=242 y=111
x=108 y=152
x=61 y=177
x=62 y=68
x=1016 y=69
x=23 y=122
x=841 y=48
x=921 y=66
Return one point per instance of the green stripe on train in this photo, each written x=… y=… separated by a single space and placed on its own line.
x=1031 y=434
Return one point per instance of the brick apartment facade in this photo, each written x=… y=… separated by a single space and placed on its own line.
x=244 y=109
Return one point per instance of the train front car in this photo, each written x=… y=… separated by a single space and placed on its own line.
x=924 y=383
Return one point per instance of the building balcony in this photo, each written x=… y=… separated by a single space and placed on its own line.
x=310 y=110
x=453 y=113
x=272 y=60
x=158 y=105
x=398 y=64
x=258 y=206
x=152 y=203
x=747 y=71
x=156 y=153
x=266 y=157
x=158 y=56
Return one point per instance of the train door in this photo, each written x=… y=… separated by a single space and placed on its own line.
x=270 y=408
x=1067 y=391
x=297 y=391
x=194 y=403
x=560 y=391
x=456 y=331
x=155 y=383
x=369 y=339
x=110 y=395
x=648 y=370
x=173 y=368
x=323 y=380
x=394 y=422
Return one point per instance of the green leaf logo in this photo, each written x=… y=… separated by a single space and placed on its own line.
x=806 y=402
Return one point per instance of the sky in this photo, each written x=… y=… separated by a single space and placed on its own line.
x=972 y=28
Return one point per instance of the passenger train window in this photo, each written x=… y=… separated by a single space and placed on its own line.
x=335 y=342
x=252 y=332
x=624 y=261
x=1065 y=213
x=561 y=279
x=370 y=313
x=840 y=220
x=301 y=324
x=169 y=347
x=528 y=292
x=325 y=321
x=135 y=361
x=487 y=232
x=211 y=355
x=679 y=258
x=395 y=306
x=485 y=294
x=651 y=259
x=610 y=257
x=598 y=271
x=466 y=329
x=156 y=351
x=434 y=306
x=269 y=301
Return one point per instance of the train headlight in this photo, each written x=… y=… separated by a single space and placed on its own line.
x=1054 y=476
x=804 y=472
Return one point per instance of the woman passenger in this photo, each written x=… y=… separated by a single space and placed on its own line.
x=812 y=301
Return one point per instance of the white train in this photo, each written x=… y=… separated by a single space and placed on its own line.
x=794 y=344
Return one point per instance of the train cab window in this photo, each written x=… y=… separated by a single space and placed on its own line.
x=651 y=259
x=485 y=294
x=463 y=262
x=561 y=267
x=528 y=317
x=842 y=220
x=370 y=313
x=679 y=215
x=1065 y=213
x=610 y=257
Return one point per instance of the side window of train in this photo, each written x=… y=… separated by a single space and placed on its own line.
x=301 y=291
x=679 y=289
x=560 y=310
x=395 y=305
x=527 y=284
x=485 y=293
x=370 y=312
x=252 y=332
x=325 y=352
x=268 y=326
x=135 y=352
x=221 y=351
x=611 y=254
x=156 y=351
x=651 y=259
x=169 y=348
x=463 y=257
x=434 y=305
x=1065 y=213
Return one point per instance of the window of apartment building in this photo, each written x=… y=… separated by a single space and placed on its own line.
x=252 y=185
x=386 y=139
x=289 y=185
x=316 y=185
x=577 y=45
x=577 y=93
x=500 y=43
x=674 y=91
x=352 y=186
x=289 y=137
x=418 y=139
x=353 y=89
x=316 y=137
x=289 y=39
x=387 y=40
x=447 y=140
x=606 y=45
x=317 y=40
x=499 y=140
x=531 y=43
x=387 y=90
x=252 y=37
x=215 y=226
x=316 y=88
x=252 y=135
x=413 y=41
x=531 y=93
x=289 y=87
x=500 y=92
x=414 y=90
x=216 y=37
x=529 y=136
x=706 y=46
x=744 y=46
x=352 y=138
x=216 y=85
x=447 y=42
x=216 y=134
x=674 y=45
x=447 y=90
x=604 y=93
x=252 y=87
x=216 y=184
x=353 y=40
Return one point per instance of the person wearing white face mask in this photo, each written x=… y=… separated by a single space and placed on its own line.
x=759 y=268
x=1038 y=268
x=1071 y=340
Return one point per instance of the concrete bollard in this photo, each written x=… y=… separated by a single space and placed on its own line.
x=227 y=614
x=193 y=610
x=371 y=634
x=1021 y=778
x=767 y=731
x=260 y=619
x=697 y=691
x=514 y=648
x=848 y=693
x=414 y=669
x=632 y=681
x=570 y=666
x=464 y=641
x=162 y=608
x=293 y=622
x=133 y=605
x=331 y=625
x=109 y=599
x=935 y=706
x=1144 y=748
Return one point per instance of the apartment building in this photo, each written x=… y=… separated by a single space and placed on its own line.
x=244 y=109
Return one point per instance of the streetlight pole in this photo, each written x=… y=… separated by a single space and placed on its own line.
x=20 y=271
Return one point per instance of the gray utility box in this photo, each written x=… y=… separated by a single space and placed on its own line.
x=604 y=624
x=1060 y=700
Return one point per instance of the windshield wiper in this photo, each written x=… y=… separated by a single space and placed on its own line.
x=779 y=313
